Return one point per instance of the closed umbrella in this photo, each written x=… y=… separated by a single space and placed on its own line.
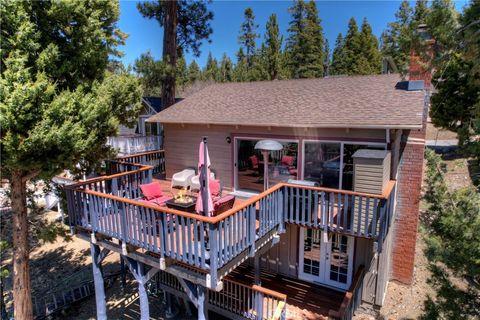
x=204 y=201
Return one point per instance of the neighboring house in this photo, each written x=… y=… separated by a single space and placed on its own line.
x=143 y=136
x=294 y=250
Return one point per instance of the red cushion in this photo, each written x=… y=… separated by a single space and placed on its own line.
x=254 y=160
x=214 y=186
x=151 y=190
x=288 y=160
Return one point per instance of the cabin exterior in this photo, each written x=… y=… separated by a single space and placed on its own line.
x=337 y=222
x=143 y=136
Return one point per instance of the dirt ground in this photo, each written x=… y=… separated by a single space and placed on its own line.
x=439 y=134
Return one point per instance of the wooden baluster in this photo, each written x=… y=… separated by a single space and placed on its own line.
x=374 y=217
x=367 y=214
x=252 y=228
x=359 y=218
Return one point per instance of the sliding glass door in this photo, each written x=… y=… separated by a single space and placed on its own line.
x=249 y=164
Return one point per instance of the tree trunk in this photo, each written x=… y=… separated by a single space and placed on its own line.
x=169 y=53
x=21 y=272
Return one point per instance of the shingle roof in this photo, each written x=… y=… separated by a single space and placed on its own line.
x=350 y=102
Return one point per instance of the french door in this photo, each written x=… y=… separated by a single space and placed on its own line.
x=326 y=258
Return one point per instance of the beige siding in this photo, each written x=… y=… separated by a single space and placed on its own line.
x=181 y=143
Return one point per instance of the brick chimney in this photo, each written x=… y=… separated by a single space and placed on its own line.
x=418 y=69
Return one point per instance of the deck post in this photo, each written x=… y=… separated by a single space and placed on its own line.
x=124 y=275
x=201 y=300
x=281 y=209
x=213 y=256
x=142 y=277
x=100 y=300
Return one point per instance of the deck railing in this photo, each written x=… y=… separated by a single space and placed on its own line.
x=237 y=299
x=352 y=299
x=135 y=143
x=112 y=206
x=354 y=213
x=155 y=158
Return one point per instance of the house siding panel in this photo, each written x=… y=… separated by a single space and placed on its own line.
x=181 y=143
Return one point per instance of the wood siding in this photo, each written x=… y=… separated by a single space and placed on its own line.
x=181 y=143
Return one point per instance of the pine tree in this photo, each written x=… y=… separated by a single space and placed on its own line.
x=226 y=69
x=185 y=25
x=338 y=57
x=370 y=59
x=58 y=103
x=194 y=73
x=396 y=40
x=248 y=36
x=151 y=73
x=273 y=53
x=240 y=69
x=420 y=14
x=326 y=58
x=211 y=72
x=353 y=61
x=181 y=74
x=305 y=42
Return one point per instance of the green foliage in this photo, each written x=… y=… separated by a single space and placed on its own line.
x=56 y=108
x=194 y=73
x=396 y=40
x=240 y=69
x=211 y=71
x=248 y=36
x=181 y=72
x=369 y=60
x=151 y=73
x=453 y=229
x=305 y=42
x=455 y=104
x=273 y=51
x=226 y=69
x=193 y=22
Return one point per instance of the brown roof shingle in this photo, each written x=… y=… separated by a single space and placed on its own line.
x=353 y=102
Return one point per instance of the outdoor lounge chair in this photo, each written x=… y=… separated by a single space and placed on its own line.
x=195 y=181
x=223 y=204
x=182 y=178
x=152 y=193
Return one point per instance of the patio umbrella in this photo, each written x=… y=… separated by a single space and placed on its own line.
x=204 y=201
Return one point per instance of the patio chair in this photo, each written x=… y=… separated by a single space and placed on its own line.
x=195 y=181
x=152 y=193
x=223 y=204
x=182 y=178
x=289 y=163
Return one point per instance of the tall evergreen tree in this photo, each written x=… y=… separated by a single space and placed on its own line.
x=420 y=14
x=151 y=73
x=370 y=59
x=181 y=72
x=211 y=72
x=273 y=53
x=353 y=61
x=240 y=69
x=248 y=36
x=226 y=69
x=338 y=59
x=396 y=40
x=185 y=25
x=326 y=58
x=305 y=42
x=194 y=73
x=58 y=103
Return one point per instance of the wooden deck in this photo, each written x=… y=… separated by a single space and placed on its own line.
x=304 y=299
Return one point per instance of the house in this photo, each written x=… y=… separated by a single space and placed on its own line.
x=143 y=136
x=337 y=222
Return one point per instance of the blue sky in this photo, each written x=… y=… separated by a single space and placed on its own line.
x=146 y=35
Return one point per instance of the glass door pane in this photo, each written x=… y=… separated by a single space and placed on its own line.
x=312 y=252
x=322 y=163
x=339 y=263
x=282 y=165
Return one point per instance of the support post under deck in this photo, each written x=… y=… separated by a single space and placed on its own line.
x=98 y=282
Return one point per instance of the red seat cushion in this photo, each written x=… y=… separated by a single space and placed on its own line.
x=288 y=160
x=151 y=190
x=253 y=160
x=214 y=186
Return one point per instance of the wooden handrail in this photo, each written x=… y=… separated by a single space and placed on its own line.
x=269 y=292
x=383 y=196
x=116 y=175
x=348 y=295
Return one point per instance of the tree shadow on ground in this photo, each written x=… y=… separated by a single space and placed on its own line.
x=474 y=171
x=451 y=301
